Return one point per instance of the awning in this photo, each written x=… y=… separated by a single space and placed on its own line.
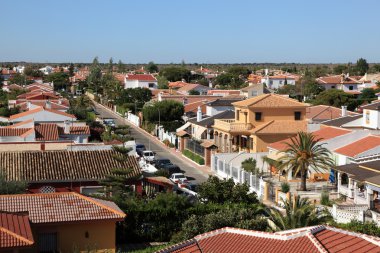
x=187 y=124
x=200 y=130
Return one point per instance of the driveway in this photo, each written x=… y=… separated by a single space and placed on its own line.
x=153 y=144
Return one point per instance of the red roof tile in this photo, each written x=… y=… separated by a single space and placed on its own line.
x=141 y=77
x=15 y=230
x=360 y=146
x=309 y=239
x=77 y=130
x=324 y=112
x=60 y=207
x=324 y=133
x=46 y=132
x=5 y=131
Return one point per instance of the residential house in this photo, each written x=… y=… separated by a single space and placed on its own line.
x=58 y=222
x=220 y=105
x=308 y=239
x=253 y=90
x=7 y=74
x=140 y=81
x=360 y=183
x=193 y=87
x=259 y=121
x=341 y=82
x=46 y=70
x=197 y=134
x=177 y=85
x=277 y=81
x=62 y=170
x=223 y=93
x=40 y=115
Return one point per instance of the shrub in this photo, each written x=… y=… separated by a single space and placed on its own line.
x=196 y=158
x=171 y=145
x=166 y=142
x=162 y=173
x=285 y=187
x=325 y=198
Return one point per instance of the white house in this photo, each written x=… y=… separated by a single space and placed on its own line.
x=140 y=81
x=46 y=70
x=41 y=114
x=276 y=82
x=341 y=82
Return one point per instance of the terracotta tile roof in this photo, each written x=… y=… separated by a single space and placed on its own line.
x=337 y=79
x=5 y=131
x=20 y=124
x=46 y=132
x=75 y=130
x=324 y=112
x=190 y=98
x=193 y=107
x=178 y=84
x=38 y=109
x=373 y=106
x=338 y=122
x=60 y=207
x=281 y=127
x=324 y=133
x=228 y=92
x=62 y=165
x=15 y=230
x=270 y=100
x=141 y=77
x=120 y=77
x=189 y=87
x=280 y=77
x=360 y=146
x=310 y=239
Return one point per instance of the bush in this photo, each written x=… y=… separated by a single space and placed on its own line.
x=196 y=158
x=166 y=142
x=162 y=173
x=285 y=187
x=325 y=198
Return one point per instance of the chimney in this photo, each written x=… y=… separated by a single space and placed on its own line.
x=266 y=72
x=199 y=114
x=210 y=84
x=48 y=104
x=160 y=96
x=28 y=105
x=344 y=111
x=60 y=101
x=66 y=129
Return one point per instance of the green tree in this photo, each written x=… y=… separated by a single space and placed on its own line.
x=20 y=79
x=229 y=80
x=340 y=69
x=95 y=76
x=299 y=212
x=121 y=67
x=60 y=80
x=162 y=82
x=71 y=69
x=239 y=70
x=218 y=191
x=250 y=165
x=335 y=98
x=133 y=98
x=310 y=88
x=194 y=92
x=376 y=68
x=174 y=74
x=289 y=89
x=362 y=66
x=110 y=66
x=367 y=94
x=303 y=152
x=164 y=111
x=151 y=67
x=11 y=187
x=111 y=87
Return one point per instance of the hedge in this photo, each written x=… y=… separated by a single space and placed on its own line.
x=196 y=158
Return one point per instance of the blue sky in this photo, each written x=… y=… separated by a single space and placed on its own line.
x=202 y=31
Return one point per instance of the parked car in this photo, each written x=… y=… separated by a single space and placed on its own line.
x=167 y=165
x=178 y=178
x=160 y=163
x=109 y=122
x=148 y=168
x=149 y=156
x=140 y=148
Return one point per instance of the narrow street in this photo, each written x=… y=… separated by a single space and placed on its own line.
x=150 y=143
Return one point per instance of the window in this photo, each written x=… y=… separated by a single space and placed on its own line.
x=151 y=85
x=297 y=115
x=350 y=87
x=333 y=87
x=258 y=116
x=47 y=242
x=280 y=82
x=270 y=82
x=254 y=93
x=237 y=114
x=47 y=189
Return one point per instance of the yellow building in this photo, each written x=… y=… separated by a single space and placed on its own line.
x=259 y=121
x=58 y=222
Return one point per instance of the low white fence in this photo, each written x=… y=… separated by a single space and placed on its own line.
x=345 y=214
x=240 y=176
x=134 y=119
x=165 y=135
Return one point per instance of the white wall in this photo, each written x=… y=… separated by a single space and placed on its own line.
x=371 y=119
x=141 y=84
x=211 y=111
x=274 y=83
x=346 y=87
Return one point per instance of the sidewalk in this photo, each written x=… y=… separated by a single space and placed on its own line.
x=203 y=168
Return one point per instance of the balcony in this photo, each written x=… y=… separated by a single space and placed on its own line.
x=230 y=125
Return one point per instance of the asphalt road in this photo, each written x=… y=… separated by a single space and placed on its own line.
x=189 y=170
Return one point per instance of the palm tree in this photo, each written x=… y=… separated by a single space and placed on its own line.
x=299 y=212
x=304 y=153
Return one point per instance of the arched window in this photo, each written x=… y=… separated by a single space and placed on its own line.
x=344 y=179
x=47 y=189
